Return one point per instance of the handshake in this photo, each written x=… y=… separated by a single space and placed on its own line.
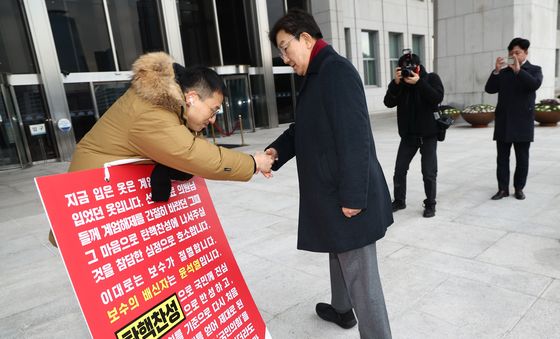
x=264 y=161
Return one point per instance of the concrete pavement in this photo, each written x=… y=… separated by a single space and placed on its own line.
x=479 y=269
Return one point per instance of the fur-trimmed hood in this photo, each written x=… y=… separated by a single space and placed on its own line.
x=154 y=81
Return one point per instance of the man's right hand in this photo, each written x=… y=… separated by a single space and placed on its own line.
x=499 y=64
x=398 y=75
x=264 y=163
x=273 y=154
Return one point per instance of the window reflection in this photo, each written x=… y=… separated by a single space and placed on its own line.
x=198 y=32
x=369 y=55
x=107 y=93
x=276 y=10
x=15 y=49
x=80 y=35
x=395 y=49
x=284 y=97
x=82 y=111
x=8 y=148
x=418 y=47
x=234 y=37
x=302 y=4
x=136 y=27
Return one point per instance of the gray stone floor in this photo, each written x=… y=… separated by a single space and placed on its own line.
x=479 y=269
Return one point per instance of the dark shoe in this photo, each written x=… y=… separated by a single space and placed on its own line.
x=501 y=194
x=327 y=312
x=398 y=205
x=519 y=195
x=52 y=240
x=429 y=211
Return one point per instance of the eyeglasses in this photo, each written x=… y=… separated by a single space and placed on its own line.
x=282 y=50
x=213 y=111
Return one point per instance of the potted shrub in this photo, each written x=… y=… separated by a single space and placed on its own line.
x=479 y=115
x=547 y=112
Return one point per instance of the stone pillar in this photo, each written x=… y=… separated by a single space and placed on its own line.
x=471 y=34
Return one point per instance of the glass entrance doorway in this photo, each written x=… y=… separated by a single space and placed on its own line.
x=12 y=150
x=238 y=103
x=37 y=123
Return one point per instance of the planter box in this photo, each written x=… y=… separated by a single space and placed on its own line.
x=478 y=119
x=547 y=118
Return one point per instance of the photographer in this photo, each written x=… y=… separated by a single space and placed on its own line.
x=416 y=93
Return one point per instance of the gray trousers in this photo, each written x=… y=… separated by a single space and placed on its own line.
x=355 y=283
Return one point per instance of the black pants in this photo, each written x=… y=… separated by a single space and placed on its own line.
x=407 y=150
x=521 y=164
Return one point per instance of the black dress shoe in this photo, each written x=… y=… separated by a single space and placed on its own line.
x=519 y=195
x=327 y=312
x=501 y=194
x=398 y=205
x=429 y=211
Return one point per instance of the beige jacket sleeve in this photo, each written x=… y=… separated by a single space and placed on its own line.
x=157 y=135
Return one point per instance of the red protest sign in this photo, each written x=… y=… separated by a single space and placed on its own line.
x=148 y=270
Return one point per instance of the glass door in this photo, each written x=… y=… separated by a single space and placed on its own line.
x=37 y=122
x=239 y=102
x=12 y=151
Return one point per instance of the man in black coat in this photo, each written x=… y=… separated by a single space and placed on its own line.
x=345 y=206
x=516 y=84
x=416 y=93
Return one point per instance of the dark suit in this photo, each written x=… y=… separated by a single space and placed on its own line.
x=336 y=160
x=515 y=115
x=338 y=167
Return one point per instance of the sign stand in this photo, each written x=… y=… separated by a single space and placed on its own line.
x=144 y=269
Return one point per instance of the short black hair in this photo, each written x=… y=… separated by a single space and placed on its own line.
x=409 y=59
x=205 y=81
x=295 y=22
x=522 y=43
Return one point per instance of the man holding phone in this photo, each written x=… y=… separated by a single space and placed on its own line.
x=510 y=60
x=516 y=83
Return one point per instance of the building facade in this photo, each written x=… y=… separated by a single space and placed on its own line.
x=64 y=62
x=373 y=33
x=472 y=34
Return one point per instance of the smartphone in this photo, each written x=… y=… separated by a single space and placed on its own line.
x=510 y=60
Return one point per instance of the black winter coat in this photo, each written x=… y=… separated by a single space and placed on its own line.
x=336 y=159
x=515 y=111
x=416 y=104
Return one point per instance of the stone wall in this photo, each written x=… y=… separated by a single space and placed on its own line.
x=471 y=34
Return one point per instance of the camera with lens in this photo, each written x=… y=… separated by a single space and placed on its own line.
x=406 y=71
x=408 y=63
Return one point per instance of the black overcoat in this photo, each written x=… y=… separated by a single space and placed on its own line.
x=416 y=104
x=515 y=111
x=337 y=164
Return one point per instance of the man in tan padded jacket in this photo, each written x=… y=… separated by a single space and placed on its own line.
x=159 y=117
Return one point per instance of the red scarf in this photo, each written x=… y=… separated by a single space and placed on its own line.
x=319 y=45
